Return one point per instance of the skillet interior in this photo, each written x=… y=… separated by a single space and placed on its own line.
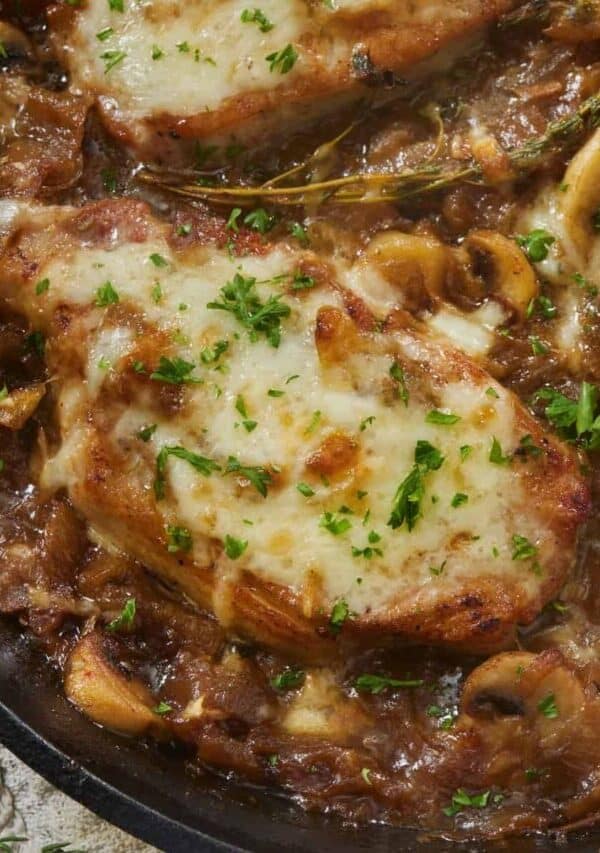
x=147 y=792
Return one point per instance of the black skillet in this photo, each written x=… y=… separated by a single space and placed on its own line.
x=147 y=790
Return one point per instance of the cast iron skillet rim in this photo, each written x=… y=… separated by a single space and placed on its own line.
x=99 y=796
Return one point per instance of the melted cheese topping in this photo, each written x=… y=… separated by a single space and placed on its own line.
x=298 y=402
x=207 y=53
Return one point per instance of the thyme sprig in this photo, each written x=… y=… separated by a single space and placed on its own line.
x=372 y=187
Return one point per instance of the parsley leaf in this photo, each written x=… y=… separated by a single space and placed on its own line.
x=442 y=418
x=406 y=506
x=106 y=295
x=547 y=706
x=288 y=679
x=339 y=614
x=257 y=16
x=397 y=374
x=241 y=299
x=178 y=539
x=124 y=620
x=201 y=464
x=330 y=521
x=496 y=455
x=258 y=476
x=462 y=800
x=260 y=220
x=234 y=548
x=523 y=549
x=282 y=60
x=575 y=420
x=174 y=371
x=378 y=683
x=536 y=244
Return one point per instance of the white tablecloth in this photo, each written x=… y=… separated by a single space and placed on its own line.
x=32 y=808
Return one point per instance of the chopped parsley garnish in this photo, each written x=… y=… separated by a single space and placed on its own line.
x=109 y=180
x=157 y=53
x=406 y=506
x=436 y=571
x=158 y=260
x=157 y=292
x=299 y=233
x=459 y=499
x=523 y=549
x=582 y=282
x=339 y=614
x=234 y=548
x=260 y=220
x=397 y=374
x=288 y=679
x=162 y=708
x=274 y=392
x=366 y=773
x=201 y=464
x=528 y=448
x=146 y=433
x=210 y=355
x=465 y=452
x=258 y=476
x=337 y=526
x=537 y=346
x=367 y=422
x=575 y=420
x=178 y=539
x=547 y=706
x=35 y=341
x=305 y=490
x=491 y=392
x=462 y=800
x=112 y=58
x=124 y=621
x=378 y=683
x=106 y=295
x=536 y=244
x=314 y=422
x=42 y=286
x=105 y=34
x=442 y=418
x=531 y=774
x=257 y=16
x=543 y=306
x=282 y=60
x=3 y=392
x=496 y=455
x=174 y=371
x=241 y=299
x=369 y=551
x=232 y=222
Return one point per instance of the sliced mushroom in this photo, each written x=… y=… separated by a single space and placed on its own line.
x=581 y=200
x=510 y=275
x=535 y=711
x=416 y=266
x=102 y=693
x=20 y=405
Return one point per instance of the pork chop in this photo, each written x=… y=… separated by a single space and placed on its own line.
x=247 y=428
x=221 y=72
